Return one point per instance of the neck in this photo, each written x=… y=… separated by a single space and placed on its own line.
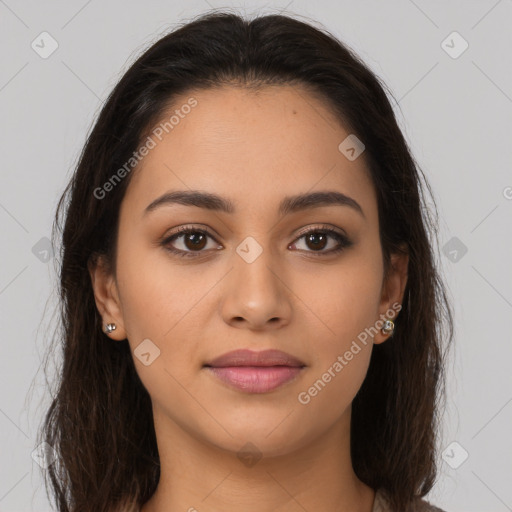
x=196 y=475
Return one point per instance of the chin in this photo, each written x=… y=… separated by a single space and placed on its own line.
x=270 y=438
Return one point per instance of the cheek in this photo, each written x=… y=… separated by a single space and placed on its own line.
x=342 y=300
x=348 y=309
x=344 y=306
x=331 y=387
x=158 y=297
x=160 y=303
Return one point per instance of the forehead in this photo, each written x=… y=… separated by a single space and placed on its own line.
x=253 y=147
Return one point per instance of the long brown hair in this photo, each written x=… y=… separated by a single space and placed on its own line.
x=100 y=419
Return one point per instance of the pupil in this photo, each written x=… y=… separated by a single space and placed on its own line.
x=312 y=238
x=196 y=240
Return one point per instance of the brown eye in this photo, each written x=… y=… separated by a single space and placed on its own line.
x=195 y=239
x=316 y=240
x=192 y=240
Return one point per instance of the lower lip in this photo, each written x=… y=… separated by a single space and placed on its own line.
x=255 y=379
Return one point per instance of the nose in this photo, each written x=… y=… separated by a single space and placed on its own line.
x=256 y=295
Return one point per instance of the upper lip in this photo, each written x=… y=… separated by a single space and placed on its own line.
x=246 y=357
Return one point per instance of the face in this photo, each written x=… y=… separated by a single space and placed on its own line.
x=306 y=280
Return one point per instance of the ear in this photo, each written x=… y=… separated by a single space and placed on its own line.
x=106 y=295
x=393 y=289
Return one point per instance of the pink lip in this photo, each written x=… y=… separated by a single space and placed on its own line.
x=255 y=379
x=255 y=372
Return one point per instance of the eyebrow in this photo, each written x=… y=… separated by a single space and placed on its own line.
x=289 y=204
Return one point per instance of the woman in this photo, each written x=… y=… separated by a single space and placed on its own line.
x=252 y=316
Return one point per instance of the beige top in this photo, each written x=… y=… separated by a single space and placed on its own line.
x=381 y=505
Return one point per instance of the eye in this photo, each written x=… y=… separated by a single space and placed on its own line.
x=318 y=238
x=194 y=240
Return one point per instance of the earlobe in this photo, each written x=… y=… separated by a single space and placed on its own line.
x=393 y=290
x=106 y=297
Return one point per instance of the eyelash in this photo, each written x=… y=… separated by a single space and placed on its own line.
x=343 y=240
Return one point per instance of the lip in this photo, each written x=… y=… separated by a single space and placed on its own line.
x=244 y=357
x=255 y=372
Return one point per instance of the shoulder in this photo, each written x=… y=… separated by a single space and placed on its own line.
x=382 y=505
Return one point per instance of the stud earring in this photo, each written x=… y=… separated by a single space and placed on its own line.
x=388 y=327
x=109 y=328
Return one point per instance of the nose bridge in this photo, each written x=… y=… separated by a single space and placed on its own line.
x=255 y=266
x=256 y=290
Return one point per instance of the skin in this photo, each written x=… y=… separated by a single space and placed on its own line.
x=254 y=149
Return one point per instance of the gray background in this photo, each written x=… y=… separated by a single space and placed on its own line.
x=455 y=112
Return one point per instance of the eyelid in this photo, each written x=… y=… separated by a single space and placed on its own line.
x=320 y=227
x=201 y=228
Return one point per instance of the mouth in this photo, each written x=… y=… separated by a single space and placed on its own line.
x=255 y=372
